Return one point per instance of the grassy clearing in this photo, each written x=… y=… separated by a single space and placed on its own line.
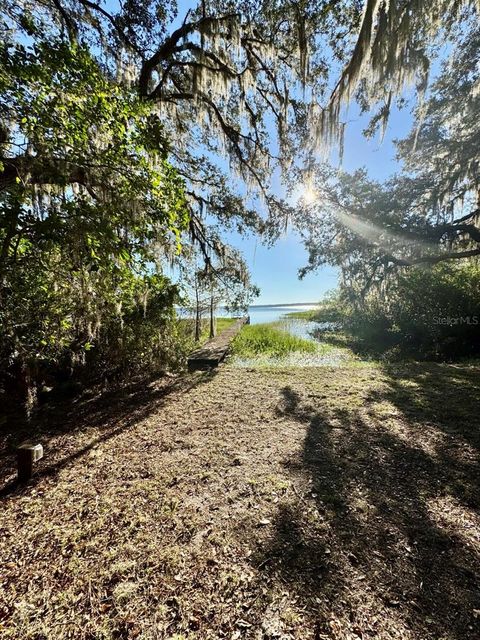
x=288 y=342
x=269 y=340
x=297 y=503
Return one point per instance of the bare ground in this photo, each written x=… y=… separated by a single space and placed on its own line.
x=336 y=503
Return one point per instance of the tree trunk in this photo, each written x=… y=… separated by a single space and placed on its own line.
x=212 y=316
x=198 y=319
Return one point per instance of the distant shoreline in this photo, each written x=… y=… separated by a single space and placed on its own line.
x=271 y=306
x=287 y=304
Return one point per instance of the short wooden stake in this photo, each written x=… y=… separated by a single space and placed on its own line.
x=27 y=455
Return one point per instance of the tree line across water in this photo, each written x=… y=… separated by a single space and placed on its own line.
x=135 y=139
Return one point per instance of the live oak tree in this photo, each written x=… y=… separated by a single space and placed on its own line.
x=221 y=78
x=426 y=214
x=126 y=129
x=121 y=128
x=407 y=250
x=88 y=198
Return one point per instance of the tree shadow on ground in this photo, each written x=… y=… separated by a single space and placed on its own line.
x=343 y=340
x=70 y=428
x=384 y=538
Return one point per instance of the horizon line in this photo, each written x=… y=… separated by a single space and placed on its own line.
x=286 y=304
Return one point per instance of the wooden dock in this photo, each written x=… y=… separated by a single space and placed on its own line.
x=215 y=350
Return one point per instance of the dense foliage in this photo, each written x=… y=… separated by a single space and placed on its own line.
x=88 y=203
x=425 y=312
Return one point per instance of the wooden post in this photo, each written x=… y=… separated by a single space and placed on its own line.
x=198 y=320
x=27 y=454
x=212 y=316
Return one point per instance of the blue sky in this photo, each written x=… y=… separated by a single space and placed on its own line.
x=275 y=269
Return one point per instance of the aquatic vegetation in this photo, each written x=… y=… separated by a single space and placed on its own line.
x=268 y=339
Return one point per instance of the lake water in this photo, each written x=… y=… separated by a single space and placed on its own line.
x=267 y=313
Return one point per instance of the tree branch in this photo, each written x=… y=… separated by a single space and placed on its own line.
x=434 y=259
x=169 y=47
x=35 y=170
x=69 y=22
x=111 y=20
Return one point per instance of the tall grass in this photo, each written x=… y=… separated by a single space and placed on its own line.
x=310 y=314
x=266 y=339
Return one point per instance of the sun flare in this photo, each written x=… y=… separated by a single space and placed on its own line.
x=309 y=195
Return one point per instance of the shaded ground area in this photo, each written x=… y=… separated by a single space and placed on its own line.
x=303 y=503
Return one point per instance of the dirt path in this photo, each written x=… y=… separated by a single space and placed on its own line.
x=307 y=503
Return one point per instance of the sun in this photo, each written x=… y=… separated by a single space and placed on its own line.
x=309 y=195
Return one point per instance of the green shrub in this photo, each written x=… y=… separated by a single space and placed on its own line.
x=80 y=290
x=424 y=312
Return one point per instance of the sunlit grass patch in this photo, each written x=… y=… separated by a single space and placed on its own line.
x=224 y=323
x=310 y=314
x=266 y=339
x=220 y=325
x=187 y=325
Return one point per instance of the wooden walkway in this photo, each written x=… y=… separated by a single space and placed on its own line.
x=215 y=350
